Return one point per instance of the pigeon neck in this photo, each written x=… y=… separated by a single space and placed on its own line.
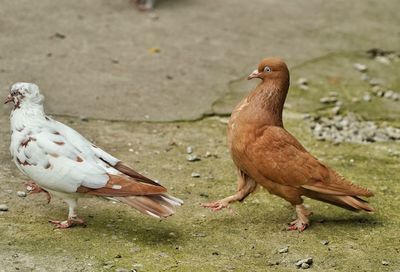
x=270 y=97
x=27 y=115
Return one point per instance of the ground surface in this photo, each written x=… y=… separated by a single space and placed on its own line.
x=105 y=62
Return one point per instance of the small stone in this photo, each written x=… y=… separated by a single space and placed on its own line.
x=189 y=149
x=305 y=266
x=154 y=50
x=303 y=84
x=376 y=89
x=121 y=270
x=375 y=82
x=83 y=118
x=388 y=94
x=328 y=100
x=393 y=133
x=367 y=98
x=3 y=207
x=195 y=175
x=308 y=261
x=383 y=59
x=336 y=110
x=192 y=158
x=283 y=250
x=384 y=262
x=304 y=87
x=108 y=264
x=325 y=242
x=360 y=67
x=302 y=81
x=21 y=194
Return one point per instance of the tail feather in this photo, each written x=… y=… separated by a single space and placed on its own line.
x=352 y=203
x=159 y=206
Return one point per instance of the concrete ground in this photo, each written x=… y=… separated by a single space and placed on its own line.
x=130 y=72
x=104 y=59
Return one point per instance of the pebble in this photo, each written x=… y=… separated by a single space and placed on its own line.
x=195 y=175
x=367 y=98
x=325 y=242
x=21 y=194
x=84 y=119
x=121 y=270
x=350 y=128
x=192 y=158
x=305 y=266
x=328 y=100
x=303 y=83
x=388 y=94
x=189 y=149
x=375 y=82
x=283 y=250
x=304 y=263
x=3 y=207
x=385 y=262
x=360 y=67
x=383 y=59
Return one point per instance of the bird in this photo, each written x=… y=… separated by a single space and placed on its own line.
x=144 y=5
x=266 y=154
x=63 y=163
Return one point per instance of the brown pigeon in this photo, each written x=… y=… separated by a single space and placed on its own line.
x=266 y=154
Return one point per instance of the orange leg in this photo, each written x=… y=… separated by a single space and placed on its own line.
x=246 y=185
x=302 y=221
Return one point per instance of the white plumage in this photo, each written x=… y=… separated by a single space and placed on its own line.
x=64 y=163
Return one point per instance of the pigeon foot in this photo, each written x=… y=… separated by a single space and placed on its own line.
x=70 y=222
x=216 y=205
x=302 y=222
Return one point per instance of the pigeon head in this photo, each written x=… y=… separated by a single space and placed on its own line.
x=22 y=93
x=269 y=69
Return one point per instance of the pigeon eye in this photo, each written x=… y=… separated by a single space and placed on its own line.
x=267 y=69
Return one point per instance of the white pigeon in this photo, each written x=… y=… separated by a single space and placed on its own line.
x=63 y=163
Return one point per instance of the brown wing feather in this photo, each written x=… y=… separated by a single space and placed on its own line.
x=122 y=186
x=123 y=168
x=279 y=157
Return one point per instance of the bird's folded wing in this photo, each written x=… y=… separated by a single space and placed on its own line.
x=92 y=150
x=279 y=157
x=51 y=157
x=122 y=186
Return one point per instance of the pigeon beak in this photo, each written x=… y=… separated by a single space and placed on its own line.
x=9 y=99
x=254 y=74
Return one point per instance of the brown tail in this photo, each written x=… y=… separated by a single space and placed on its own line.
x=352 y=203
x=159 y=206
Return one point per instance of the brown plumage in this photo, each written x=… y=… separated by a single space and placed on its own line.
x=268 y=155
x=137 y=191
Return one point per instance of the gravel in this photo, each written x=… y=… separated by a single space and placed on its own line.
x=350 y=128
x=325 y=242
x=283 y=250
x=304 y=263
x=192 y=158
x=303 y=83
x=21 y=194
x=328 y=100
x=360 y=67
x=3 y=207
